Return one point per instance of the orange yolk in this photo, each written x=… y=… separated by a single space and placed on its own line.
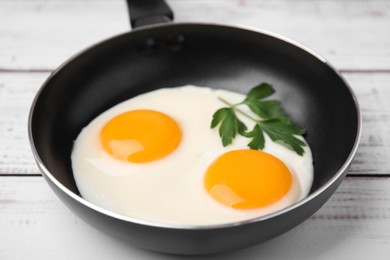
x=247 y=179
x=140 y=136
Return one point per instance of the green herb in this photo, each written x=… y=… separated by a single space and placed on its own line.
x=271 y=119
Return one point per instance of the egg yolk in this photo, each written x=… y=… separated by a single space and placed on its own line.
x=247 y=179
x=140 y=136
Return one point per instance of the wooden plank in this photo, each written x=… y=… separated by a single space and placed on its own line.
x=40 y=34
x=353 y=224
x=18 y=89
x=373 y=93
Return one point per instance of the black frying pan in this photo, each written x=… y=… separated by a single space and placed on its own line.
x=169 y=55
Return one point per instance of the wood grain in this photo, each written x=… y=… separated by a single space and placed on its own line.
x=354 y=222
x=372 y=91
x=18 y=89
x=354 y=35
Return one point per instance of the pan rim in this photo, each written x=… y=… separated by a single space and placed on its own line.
x=156 y=224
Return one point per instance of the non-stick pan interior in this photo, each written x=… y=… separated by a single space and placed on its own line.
x=206 y=55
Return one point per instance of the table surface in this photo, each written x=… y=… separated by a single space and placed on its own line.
x=37 y=36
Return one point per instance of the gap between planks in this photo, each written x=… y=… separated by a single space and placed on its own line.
x=20 y=175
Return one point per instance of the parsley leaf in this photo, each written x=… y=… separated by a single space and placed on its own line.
x=260 y=91
x=229 y=124
x=265 y=109
x=272 y=121
x=258 y=140
x=282 y=131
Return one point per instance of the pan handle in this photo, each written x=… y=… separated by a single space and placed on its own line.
x=148 y=12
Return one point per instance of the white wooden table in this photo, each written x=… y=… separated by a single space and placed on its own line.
x=37 y=36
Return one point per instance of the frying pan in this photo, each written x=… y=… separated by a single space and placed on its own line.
x=219 y=56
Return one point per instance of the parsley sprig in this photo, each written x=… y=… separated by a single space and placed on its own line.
x=272 y=120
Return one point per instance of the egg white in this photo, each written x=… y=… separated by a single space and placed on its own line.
x=171 y=190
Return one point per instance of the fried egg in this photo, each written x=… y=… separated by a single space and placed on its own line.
x=155 y=158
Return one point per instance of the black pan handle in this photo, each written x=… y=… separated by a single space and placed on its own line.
x=147 y=12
